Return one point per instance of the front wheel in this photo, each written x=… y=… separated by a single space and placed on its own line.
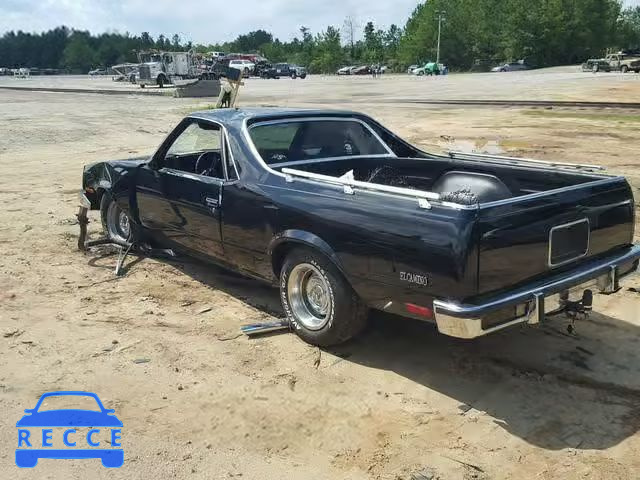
x=624 y=69
x=319 y=302
x=116 y=222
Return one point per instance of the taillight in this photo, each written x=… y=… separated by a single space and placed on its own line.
x=418 y=310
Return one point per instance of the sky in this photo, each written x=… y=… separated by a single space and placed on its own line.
x=202 y=21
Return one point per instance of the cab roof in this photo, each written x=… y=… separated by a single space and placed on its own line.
x=236 y=116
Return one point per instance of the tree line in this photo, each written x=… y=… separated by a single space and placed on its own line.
x=475 y=34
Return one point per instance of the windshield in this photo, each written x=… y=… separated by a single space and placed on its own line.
x=300 y=140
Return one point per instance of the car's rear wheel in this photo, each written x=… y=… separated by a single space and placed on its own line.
x=624 y=69
x=116 y=222
x=319 y=302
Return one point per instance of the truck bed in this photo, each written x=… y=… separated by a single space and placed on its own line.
x=532 y=220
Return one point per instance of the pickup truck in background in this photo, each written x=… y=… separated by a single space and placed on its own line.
x=344 y=216
x=614 y=62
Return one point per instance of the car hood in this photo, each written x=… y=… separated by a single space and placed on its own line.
x=69 y=418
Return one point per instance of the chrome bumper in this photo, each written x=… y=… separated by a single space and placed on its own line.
x=530 y=303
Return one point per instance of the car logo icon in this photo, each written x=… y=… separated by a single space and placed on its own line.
x=102 y=426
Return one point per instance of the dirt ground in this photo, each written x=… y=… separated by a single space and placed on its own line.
x=161 y=345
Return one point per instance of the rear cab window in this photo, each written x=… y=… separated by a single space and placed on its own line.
x=300 y=140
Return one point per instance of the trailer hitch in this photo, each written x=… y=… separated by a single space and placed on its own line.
x=578 y=310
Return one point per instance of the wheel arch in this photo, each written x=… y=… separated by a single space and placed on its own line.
x=286 y=241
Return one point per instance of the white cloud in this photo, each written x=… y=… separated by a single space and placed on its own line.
x=200 y=21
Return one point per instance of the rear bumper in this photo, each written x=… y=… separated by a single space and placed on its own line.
x=528 y=304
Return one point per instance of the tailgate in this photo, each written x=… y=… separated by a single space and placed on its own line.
x=528 y=237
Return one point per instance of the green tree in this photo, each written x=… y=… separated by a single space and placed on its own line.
x=78 y=55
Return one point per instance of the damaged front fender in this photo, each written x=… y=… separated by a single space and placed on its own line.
x=115 y=177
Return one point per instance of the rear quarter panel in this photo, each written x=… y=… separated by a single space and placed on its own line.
x=378 y=239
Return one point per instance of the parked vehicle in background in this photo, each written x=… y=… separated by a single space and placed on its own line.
x=5 y=71
x=596 y=65
x=412 y=68
x=21 y=72
x=97 y=71
x=344 y=216
x=511 y=67
x=362 y=70
x=245 y=66
x=621 y=62
x=430 y=68
x=162 y=68
x=298 y=71
x=284 y=70
x=125 y=72
x=346 y=70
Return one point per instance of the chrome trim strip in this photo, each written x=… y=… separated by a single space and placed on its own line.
x=362 y=185
x=524 y=161
x=565 y=225
x=330 y=159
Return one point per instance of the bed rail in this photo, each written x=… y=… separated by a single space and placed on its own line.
x=523 y=161
x=349 y=185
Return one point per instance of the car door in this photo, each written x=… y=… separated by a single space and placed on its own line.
x=179 y=193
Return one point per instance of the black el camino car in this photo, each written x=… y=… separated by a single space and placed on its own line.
x=345 y=216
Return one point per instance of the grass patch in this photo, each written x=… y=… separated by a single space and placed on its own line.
x=598 y=116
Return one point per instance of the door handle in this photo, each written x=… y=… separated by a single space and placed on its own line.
x=271 y=206
x=211 y=202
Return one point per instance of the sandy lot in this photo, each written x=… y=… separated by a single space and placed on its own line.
x=401 y=402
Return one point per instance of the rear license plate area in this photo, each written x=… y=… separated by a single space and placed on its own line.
x=568 y=242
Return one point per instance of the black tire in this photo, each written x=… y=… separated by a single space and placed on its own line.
x=109 y=207
x=303 y=76
x=294 y=75
x=346 y=314
x=595 y=68
x=624 y=69
x=161 y=81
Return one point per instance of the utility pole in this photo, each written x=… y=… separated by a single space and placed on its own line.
x=441 y=15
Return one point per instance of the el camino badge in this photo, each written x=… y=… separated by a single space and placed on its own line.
x=415 y=278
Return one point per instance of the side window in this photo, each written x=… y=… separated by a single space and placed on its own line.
x=313 y=140
x=274 y=141
x=197 y=150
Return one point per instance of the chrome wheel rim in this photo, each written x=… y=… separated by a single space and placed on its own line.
x=309 y=296
x=118 y=223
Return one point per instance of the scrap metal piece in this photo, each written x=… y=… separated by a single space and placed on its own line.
x=267 y=327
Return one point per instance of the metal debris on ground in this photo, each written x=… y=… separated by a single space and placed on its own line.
x=264 y=328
